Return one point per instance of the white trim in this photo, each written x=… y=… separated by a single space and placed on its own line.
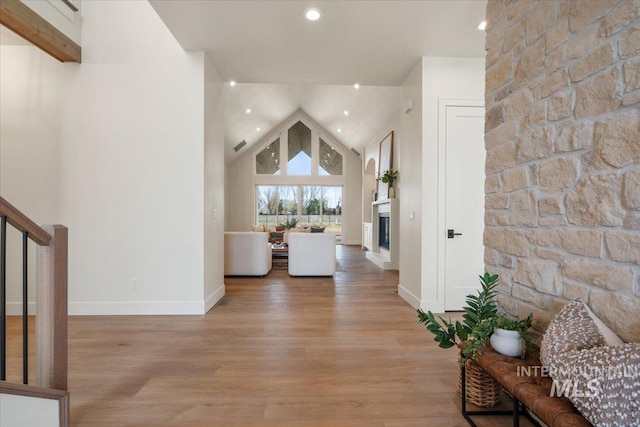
x=132 y=308
x=413 y=300
x=213 y=299
x=429 y=305
x=136 y=308
x=443 y=103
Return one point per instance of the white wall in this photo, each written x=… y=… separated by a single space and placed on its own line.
x=407 y=161
x=410 y=192
x=239 y=204
x=32 y=85
x=214 y=185
x=416 y=158
x=453 y=78
x=132 y=167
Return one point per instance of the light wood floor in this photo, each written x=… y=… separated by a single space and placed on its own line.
x=277 y=351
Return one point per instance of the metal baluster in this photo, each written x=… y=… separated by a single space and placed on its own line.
x=3 y=298
x=25 y=310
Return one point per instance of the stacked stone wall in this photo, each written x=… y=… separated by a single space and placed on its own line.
x=562 y=207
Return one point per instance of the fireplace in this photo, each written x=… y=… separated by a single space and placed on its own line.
x=385 y=234
x=384 y=220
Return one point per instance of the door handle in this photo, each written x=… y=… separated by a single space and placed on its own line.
x=451 y=233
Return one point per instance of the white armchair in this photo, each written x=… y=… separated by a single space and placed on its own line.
x=312 y=254
x=247 y=253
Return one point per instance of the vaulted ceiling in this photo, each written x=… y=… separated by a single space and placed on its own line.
x=283 y=62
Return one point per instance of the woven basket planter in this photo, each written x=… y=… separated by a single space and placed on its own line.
x=482 y=389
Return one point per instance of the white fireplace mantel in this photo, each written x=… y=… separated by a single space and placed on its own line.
x=385 y=259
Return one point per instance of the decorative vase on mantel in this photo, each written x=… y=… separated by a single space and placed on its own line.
x=392 y=192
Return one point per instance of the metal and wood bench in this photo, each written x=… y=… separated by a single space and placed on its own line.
x=529 y=387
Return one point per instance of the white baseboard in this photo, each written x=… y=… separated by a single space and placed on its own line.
x=91 y=308
x=15 y=308
x=429 y=305
x=352 y=242
x=216 y=296
x=413 y=300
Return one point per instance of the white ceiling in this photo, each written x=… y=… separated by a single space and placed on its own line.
x=283 y=62
x=370 y=42
x=270 y=104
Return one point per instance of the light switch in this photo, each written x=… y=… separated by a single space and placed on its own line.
x=214 y=213
x=412 y=215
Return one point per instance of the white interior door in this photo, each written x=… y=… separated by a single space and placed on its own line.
x=464 y=210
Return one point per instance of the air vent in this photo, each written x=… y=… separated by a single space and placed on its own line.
x=239 y=146
x=355 y=152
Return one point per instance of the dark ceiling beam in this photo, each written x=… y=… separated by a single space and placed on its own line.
x=23 y=21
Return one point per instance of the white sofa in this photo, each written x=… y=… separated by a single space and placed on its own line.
x=312 y=254
x=247 y=253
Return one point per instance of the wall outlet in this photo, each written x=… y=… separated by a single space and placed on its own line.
x=134 y=283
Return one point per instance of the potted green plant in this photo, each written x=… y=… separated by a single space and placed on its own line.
x=477 y=321
x=389 y=177
x=289 y=223
x=480 y=322
x=511 y=337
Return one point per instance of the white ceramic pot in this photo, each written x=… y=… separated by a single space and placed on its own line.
x=507 y=342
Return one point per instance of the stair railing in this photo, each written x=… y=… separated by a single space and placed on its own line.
x=51 y=298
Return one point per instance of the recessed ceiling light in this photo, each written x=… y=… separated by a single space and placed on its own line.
x=232 y=83
x=357 y=85
x=312 y=14
x=248 y=110
x=346 y=113
x=257 y=129
x=339 y=130
x=482 y=26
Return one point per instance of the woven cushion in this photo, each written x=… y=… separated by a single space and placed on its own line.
x=572 y=329
x=603 y=383
x=609 y=336
x=257 y=228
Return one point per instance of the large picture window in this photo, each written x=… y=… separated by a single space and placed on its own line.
x=317 y=206
x=300 y=172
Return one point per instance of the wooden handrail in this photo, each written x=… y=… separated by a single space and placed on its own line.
x=23 y=223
